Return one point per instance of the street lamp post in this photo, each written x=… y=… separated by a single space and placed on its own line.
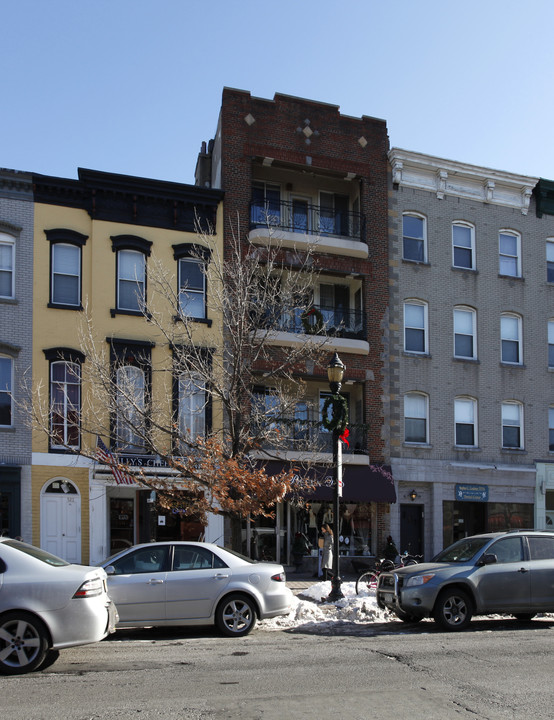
x=335 y=374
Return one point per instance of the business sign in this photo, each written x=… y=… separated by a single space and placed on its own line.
x=472 y=493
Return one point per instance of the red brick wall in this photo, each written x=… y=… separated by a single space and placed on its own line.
x=335 y=148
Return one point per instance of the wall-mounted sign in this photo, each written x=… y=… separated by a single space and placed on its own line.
x=472 y=493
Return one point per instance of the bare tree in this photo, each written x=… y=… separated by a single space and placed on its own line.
x=239 y=368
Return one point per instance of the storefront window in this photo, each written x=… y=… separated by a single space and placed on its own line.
x=462 y=519
x=354 y=525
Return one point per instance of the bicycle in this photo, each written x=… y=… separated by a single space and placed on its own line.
x=369 y=579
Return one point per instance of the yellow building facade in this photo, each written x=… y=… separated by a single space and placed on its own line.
x=117 y=261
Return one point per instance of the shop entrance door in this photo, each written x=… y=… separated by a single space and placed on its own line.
x=60 y=520
x=469 y=518
x=122 y=524
x=10 y=494
x=411 y=529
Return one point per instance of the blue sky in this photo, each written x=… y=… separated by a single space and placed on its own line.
x=134 y=86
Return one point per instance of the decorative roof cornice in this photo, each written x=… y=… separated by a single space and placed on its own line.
x=448 y=177
x=132 y=200
x=16 y=184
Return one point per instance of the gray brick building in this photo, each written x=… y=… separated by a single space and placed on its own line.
x=16 y=291
x=471 y=326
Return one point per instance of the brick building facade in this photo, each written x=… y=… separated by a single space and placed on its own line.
x=322 y=177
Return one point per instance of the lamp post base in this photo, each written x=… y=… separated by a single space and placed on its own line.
x=336 y=592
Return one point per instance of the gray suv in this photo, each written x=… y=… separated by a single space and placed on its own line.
x=509 y=572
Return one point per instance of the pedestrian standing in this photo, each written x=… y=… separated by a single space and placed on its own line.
x=327 y=554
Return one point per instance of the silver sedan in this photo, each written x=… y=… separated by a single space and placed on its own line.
x=192 y=583
x=47 y=604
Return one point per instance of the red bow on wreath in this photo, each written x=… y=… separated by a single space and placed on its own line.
x=343 y=437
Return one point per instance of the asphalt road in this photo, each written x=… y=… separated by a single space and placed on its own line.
x=495 y=670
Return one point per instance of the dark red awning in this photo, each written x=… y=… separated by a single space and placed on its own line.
x=361 y=483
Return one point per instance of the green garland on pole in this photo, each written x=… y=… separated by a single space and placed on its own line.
x=339 y=416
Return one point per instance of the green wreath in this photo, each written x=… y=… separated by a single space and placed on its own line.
x=312 y=328
x=339 y=416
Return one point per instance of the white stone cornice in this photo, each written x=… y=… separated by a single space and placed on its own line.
x=448 y=177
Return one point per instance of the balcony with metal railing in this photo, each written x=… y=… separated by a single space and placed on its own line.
x=317 y=320
x=309 y=436
x=296 y=216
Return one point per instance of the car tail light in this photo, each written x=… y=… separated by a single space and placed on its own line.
x=279 y=577
x=90 y=588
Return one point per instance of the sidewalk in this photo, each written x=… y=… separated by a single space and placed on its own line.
x=299 y=581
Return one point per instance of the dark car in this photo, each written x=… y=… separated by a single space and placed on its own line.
x=507 y=573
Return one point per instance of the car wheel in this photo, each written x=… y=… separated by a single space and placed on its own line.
x=23 y=643
x=50 y=659
x=236 y=615
x=524 y=617
x=453 y=610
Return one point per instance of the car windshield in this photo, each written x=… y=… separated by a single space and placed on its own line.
x=37 y=553
x=462 y=551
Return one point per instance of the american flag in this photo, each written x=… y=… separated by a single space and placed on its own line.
x=105 y=456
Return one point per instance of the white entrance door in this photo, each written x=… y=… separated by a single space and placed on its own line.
x=60 y=520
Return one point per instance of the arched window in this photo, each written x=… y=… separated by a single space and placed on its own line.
x=415 y=327
x=511 y=339
x=416 y=411
x=465 y=332
x=509 y=243
x=7 y=265
x=130 y=406
x=131 y=253
x=6 y=385
x=463 y=245
x=414 y=237
x=465 y=419
x=512 y=425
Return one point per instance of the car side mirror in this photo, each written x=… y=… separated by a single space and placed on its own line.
x=110 y=570
x=488 y=559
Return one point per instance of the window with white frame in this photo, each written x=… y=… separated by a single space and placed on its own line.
x=66 y=251
x=131 y=272
x=414 y=245
x=131 y=253
x=511 y=343
x=510 y=253
x=192 y=408
x=551 y=428
x=192 y=287
x=465 y=333
x=65 y=399
x=463 y=245
x=551 y=344
x=6 y=385
x=512 y=425
x=130 y=406
x=465 y=418
x=66 y=274
x=415 y=327
x=550 y=260
x=415 y=418
x=7 y=262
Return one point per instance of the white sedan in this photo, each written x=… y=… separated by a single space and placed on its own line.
x=47 y=604
x=193 y=583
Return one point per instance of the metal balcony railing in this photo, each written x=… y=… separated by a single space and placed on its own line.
x=302 y=217
x=308 y=435
x=317 y=320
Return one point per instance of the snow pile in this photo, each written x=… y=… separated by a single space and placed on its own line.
x=311 y=609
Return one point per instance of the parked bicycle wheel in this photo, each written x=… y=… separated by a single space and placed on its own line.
x=367 y=582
